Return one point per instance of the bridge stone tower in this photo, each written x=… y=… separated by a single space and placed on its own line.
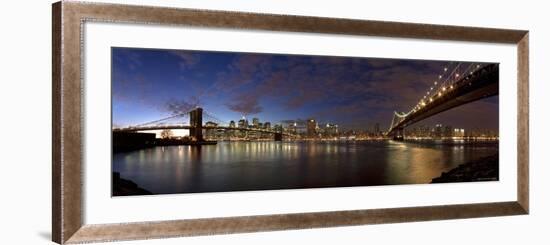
x=278 y=136
x=399 y=135
x=196 y=124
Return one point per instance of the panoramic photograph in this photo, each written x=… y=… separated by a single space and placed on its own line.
x=192 y=121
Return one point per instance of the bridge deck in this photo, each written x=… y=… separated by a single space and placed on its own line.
x=481 y=84
x=162 y=127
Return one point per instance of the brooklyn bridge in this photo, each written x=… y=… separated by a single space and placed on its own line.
x=196 y=126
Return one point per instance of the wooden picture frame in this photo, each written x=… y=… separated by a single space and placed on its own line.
x=68 y=19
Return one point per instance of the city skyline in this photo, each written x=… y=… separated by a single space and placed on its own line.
x=355 y=93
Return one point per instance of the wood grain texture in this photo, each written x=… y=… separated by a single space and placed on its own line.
x=66 y=152
x=67 y=21
x=176 y=228
x=290 y=23
x=523 y=122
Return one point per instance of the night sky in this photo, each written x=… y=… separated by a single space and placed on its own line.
x=355 y=93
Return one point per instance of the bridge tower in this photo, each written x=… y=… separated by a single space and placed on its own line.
x=278 y=136
x=195 y=120
x=398 y=134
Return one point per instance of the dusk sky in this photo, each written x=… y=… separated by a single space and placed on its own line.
x=355 y=93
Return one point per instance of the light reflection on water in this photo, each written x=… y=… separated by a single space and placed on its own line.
x=237 y=166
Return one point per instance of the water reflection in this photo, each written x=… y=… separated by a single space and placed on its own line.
x=235 y=166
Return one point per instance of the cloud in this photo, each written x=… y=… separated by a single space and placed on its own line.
x=243 y=70
x=356 y=89
x=181 y=106
x=245 y=104
x=187 y=59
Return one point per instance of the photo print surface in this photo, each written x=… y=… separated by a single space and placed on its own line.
x=186 y=121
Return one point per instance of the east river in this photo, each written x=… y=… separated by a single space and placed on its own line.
x=237 y=166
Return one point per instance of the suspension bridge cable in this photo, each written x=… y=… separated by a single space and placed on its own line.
x=163 y=119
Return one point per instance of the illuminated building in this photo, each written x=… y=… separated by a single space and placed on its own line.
x=255 y=122
x=243 y=123
x=331 y=129
x=311 y=125
x=210 y=133
x=458 y=132
x=448 y=132
x=438 y=131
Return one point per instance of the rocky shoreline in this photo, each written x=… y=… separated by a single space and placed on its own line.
x=483 y=169
x=124 y=187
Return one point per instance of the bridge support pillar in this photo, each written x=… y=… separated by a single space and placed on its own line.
x=398 y=135
x=195 y=120
x=278 y=136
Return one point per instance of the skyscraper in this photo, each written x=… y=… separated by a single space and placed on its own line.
x=210 y=133
x=311 y=126
x=243 y=123
x=448 y=132
x=458 y=132
x=255 y=122
x=331 y=130
x=438 y=131
x=231 y=133
x=292 y=127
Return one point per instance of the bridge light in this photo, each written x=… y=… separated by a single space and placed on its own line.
x=445 y=69
x=444 y=88
x=456 y=75
x=451 y=86
x=431 y=88
x=431 y=100
x=439 y=94
x=477 y=66
x=440 y=76
x=435 y=83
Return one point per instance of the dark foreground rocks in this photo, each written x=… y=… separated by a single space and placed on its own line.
x=124 y=187
x=483 y=169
